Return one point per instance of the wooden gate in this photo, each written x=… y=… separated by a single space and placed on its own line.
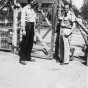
x=45 y=30
x=46 y=27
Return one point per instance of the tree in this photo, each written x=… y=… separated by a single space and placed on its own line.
x=84 y=10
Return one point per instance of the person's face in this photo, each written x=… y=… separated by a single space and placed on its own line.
x=66 y=8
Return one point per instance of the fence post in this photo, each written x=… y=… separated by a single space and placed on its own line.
x=14 y=37
x=54 y=11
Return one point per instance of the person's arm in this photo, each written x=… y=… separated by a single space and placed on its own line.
x=73 y=19
x=73 y=27
x=36 y=20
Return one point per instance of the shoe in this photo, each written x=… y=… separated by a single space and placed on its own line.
x=22 y=62
x=61 y=63
x=64 y=63
x=28 y=58
x=71 y=58
x=31 y=60
x=57 y=59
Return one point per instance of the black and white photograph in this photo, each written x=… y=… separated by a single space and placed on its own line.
x=43 y=43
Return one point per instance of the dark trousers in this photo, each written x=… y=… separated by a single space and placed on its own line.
x=57 y=42
x=26 y=44
x=57 y=46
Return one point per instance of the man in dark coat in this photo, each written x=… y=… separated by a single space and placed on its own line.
x=28 y=18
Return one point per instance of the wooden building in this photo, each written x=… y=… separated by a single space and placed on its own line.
x=6 y=24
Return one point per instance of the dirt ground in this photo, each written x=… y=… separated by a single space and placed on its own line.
x=42 y=73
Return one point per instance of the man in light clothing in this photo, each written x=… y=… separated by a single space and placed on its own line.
x=28 y=18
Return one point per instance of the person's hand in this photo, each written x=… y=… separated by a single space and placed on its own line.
x=24 y=32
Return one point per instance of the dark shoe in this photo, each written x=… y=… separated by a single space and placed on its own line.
x=61 y=63
x=57 y=59
x=71 y=58
x=28 y=58
x=22 y=62
x=55 y=56
x=64 y=63
x=31 y=60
